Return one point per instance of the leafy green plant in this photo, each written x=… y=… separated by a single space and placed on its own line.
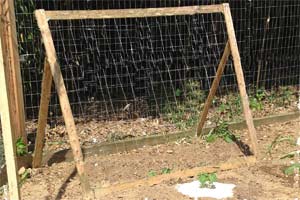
x=21 y=147
x=284 y=96
x=228 y=107
x=223 y=108
x=184 y=114
x=178 y=93
x=24 y=176
x=207 y=179
x=255 y=104
x=271 y=96
x=256 y=100
x=290 y=169
x=220 y=131
x=260 y=94
x=152 y=173
x=166 y=170
x=289 y=155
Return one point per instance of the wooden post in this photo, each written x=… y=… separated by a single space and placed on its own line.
x=64 y=101
x=11 y=52
x=43 y=115
x=214 y=88
x=8 y=132
x=240 y=76
x=133 y=13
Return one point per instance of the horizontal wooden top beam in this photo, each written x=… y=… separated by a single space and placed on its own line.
x=133 y=13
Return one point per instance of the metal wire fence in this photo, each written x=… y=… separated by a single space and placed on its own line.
x=152 y=67
x=130 y=68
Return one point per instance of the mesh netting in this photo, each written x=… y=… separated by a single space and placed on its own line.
x=267 y=33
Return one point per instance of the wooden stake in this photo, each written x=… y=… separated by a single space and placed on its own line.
x=240 y=76
x=213 y=89
x=8 y=132
x=64 y=100
x=14 y=80
x=43 y=115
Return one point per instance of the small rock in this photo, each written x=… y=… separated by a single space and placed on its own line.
x=94 y=140
x=21 y=170
x=170 y=151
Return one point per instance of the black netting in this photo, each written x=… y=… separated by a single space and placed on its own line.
x=142 y=64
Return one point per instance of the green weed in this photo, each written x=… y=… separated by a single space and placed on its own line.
x=166 y=170
x=256 y=100
x=220 y=131
x=186 y=112
x=284 y=96
x=228 y=107
x=21 y=147
x=152 y=173
x=24 y=176
x=260 y=94
x=207 y=179
x=290 y=169
x=289 y=155
x=255 y=104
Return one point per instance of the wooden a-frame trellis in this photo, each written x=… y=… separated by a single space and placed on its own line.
x=52 y=71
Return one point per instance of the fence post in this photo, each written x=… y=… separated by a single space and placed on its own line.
x=12 y=66
x=8 y=130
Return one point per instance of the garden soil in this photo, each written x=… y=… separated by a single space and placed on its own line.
x=265 y=180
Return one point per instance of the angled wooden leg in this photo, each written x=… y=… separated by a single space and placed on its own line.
x=213 y=89
x=8 y=132
x=240 y=77
x=64 y=101
x=43 y=115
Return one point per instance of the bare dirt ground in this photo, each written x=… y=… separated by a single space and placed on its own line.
x=95 y=132
x=263 y=181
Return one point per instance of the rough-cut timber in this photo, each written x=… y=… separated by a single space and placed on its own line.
x=43 y=115
x=64 y=101
x=240 y=76
x=132 y=13
x=8 y=131
x=12 y=66
x=214 y=88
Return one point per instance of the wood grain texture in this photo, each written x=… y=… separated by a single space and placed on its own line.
x=240 y=77
x=8 y=131
x=64 y=101
x=214 y=88
x=132 y=13
x=43 y=115
x=12 y=65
